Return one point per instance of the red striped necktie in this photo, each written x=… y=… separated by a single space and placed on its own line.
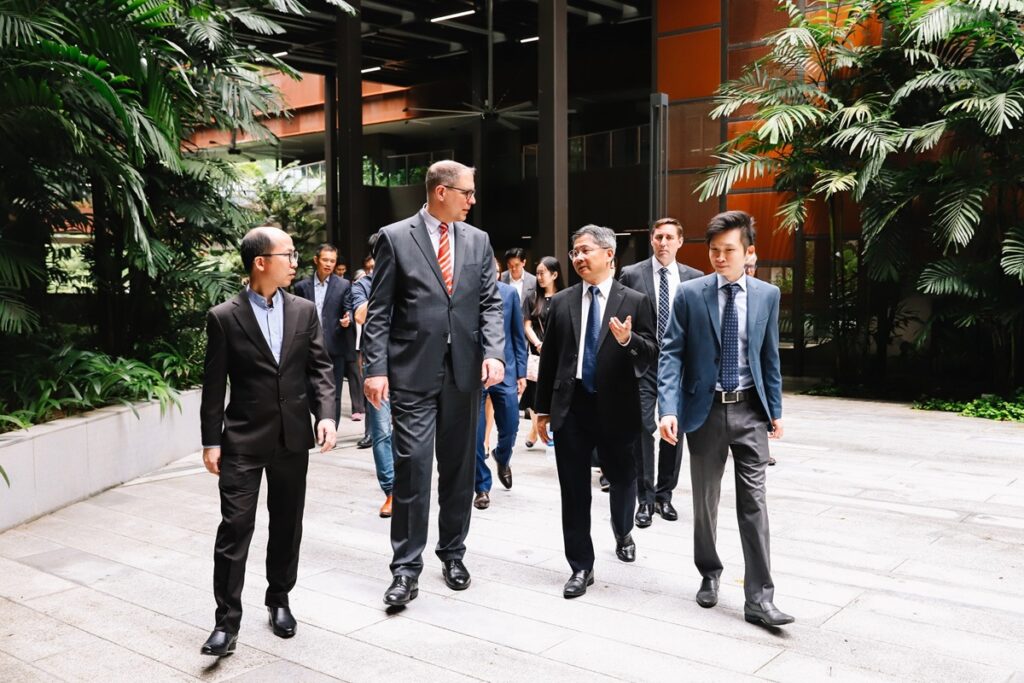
x=444 y=258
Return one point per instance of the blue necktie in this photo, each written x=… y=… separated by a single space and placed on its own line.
x=590 y=341
x=730 y=374
x=662 y=303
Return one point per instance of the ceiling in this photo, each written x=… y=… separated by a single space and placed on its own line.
x=404 y=47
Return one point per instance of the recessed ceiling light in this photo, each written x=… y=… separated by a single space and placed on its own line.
x=532 y=39
x=281 y=54
x=453 y=16
x=370 y=70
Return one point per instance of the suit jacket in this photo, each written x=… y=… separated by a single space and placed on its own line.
x=515 y=335
x=336 y=337
x=410 y=316
x=268 y=400
x=529 y=283
x=691 y=350
x=618 y=367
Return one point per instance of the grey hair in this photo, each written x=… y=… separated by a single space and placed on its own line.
x=605 y=237
x=445 y=172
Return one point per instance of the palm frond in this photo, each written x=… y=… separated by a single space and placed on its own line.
x=781 y=123
x=996 y=113
x=949 y=277
x=792 y=214
x=254 y=21
x=945 y=80
x=958 y=213
x=733 y=167
x=1012 y=260
x=15 y=315
x=923 y=137
x=870 y=139
x=941 y=20
x=834 y=182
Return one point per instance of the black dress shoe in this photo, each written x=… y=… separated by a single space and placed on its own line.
x=605 y=484
x=456 y=576
x=282 y=621
x=771 y=460
x=765 y=613
x=365 y=442
x=577 y=583
x=402 y=590
x=625 y=548
x=220 y=644
x=667 y=512
x=643 y=515
x=707 y=596
x=504 y=474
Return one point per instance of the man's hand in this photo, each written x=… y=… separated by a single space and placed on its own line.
x=326 y=435
x=776 y=432
x=492 y=372
x=542 y=427
x=669 y=428
x=211 y=458
x=520 y=386
x=621 y=330
x=361 y=312
x=375 y=389
x=346 y=321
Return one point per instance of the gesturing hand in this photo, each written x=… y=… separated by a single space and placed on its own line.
x=621 y=330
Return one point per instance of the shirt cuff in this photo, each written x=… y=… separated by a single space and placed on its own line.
x=627 y=341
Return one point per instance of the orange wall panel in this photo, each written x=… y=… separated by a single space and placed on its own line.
x=741 y=57
x=686 y=207
x=689 y=65
x=674 y=15
x=752 y=20
x=695 y=255
x=772 y=244
x=693 y=135
x=764 y=182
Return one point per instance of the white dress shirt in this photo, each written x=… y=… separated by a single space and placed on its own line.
x=518 y=284
x=673 y=284
x=740 y=301
x=602 y=302
x=434 y=230
x=319 y=294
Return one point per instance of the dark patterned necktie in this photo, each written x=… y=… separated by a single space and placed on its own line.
x=730 y=375
x=590 y=341
x=662 y=303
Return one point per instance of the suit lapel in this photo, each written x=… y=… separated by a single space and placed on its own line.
x=753 y=308
x=647 y=275
x=576 y=313
x=422 y=239
x=615 y=299
x=291 y=314
x=247 y=321
x=459 y=233
x=711 y=300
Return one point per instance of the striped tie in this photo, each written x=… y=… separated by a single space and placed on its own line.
x=444 y=258
x=663 y=304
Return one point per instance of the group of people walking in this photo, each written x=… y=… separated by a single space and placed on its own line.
x=439 y=335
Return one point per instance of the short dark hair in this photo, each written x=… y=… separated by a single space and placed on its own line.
x=731 y=220
x=515 y=252
x=326 y=246
x=371 y=242
x=255 y=243
x=667 y=221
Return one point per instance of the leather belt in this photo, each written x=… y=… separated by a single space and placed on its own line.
x=731 y=396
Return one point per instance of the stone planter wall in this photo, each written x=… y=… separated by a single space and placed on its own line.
x=57 y=463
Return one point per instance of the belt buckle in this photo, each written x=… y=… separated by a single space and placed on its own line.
x=730 y=397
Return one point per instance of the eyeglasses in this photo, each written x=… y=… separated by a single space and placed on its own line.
x=469 y=193
x=293 y=256
x=580 y=252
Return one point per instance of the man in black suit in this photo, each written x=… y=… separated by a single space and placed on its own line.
x=330 y=293
x=587 y=390
x=657 y=278
x=434 y=338
x=269 y=345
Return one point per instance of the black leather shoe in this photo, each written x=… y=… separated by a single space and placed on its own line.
x=403 y=589
x=707 y=596
x=667 y=512
x=282 y=621
x=220 y=644
x=643 y=515
x=577 y=583
x=625 y=548
x=364 y=442
x=504 y=474
x=605 y=484
x=765 y=613
x=456 y=576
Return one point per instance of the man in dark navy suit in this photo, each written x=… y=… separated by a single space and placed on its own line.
x=329 y=293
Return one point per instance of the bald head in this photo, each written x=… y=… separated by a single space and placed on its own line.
x=259 y=241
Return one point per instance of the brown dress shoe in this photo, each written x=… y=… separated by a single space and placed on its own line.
x=482 y=501
x=385 y=509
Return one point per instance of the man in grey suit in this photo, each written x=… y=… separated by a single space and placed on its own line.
x=720 y=383
x=516 y=274
x=433 y=339
x=658 y=278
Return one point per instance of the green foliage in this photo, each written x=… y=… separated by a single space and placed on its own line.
x=988 y=406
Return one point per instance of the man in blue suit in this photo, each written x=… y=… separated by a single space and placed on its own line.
x=505 y=399
x=720 y=383
x=330 y=293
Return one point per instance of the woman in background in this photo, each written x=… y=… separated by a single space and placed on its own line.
x=535 y=311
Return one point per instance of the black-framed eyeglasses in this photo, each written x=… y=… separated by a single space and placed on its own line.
x=293 y=256
x=469 y=193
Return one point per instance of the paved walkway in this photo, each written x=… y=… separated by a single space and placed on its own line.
x=898 y=543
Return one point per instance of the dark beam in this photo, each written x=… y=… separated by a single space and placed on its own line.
x=553 y=133
x=351 y=233
x=331 y=155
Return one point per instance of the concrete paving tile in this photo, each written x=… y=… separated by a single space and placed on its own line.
x=995 y=623
x=631 y=663
x=16 y=671
x=75 y=565
x=465 y=654
x=17 y=543
x=283 y=671
x=22 y=582
x=104 y=661
x=28 y=634
x=790 y=666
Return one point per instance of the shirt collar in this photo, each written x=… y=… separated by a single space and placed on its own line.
x=605 y=287
x=317 y=282
x=742 y=282
x=656 y=265
x=258 y=300
x=433 y=224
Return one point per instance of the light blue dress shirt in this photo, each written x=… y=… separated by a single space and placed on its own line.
x=270 y=318
x=746 y=379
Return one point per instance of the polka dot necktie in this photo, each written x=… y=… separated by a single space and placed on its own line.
x=444 y=258
x=729 y=374
x=662 y=303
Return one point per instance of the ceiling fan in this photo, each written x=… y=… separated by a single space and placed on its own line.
x=489 y=111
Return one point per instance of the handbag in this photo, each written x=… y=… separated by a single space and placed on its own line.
x=532 y=367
